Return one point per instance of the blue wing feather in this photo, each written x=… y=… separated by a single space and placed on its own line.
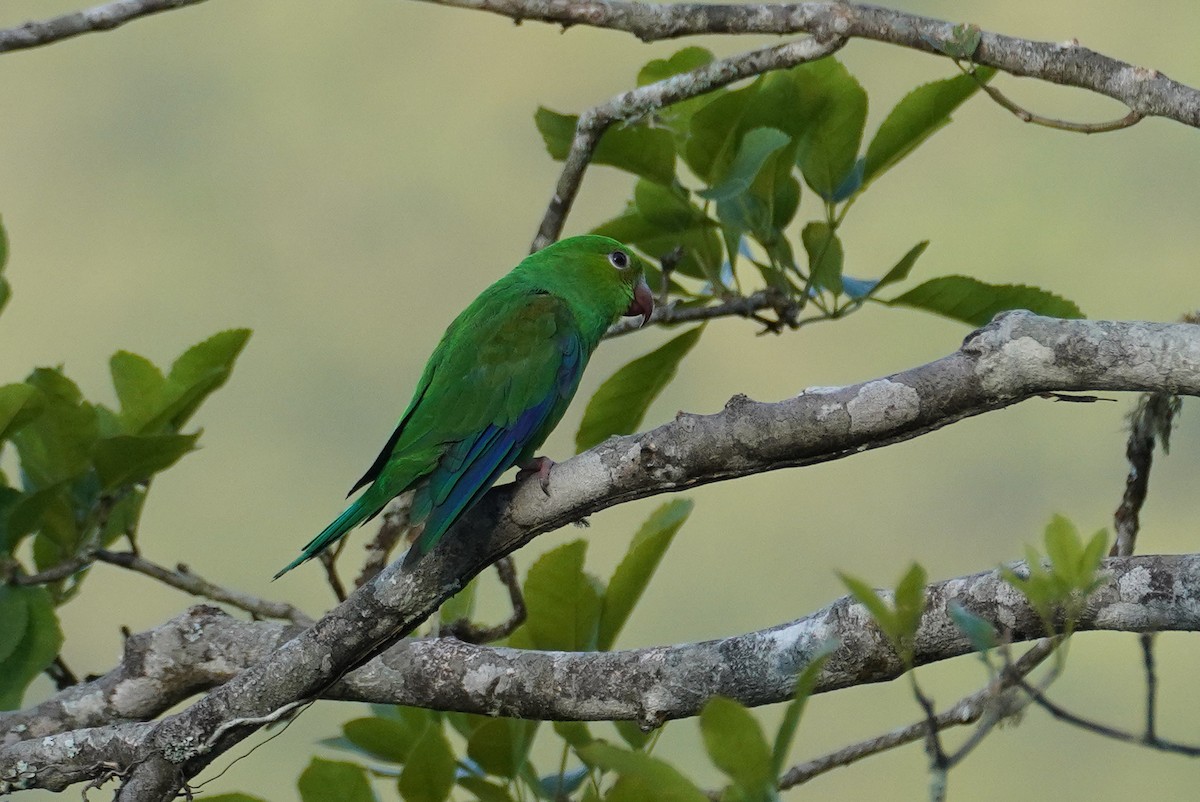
x=472 y=466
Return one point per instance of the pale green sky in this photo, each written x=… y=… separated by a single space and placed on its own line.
x=344 y=177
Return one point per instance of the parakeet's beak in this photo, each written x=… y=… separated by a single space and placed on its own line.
x=643 y=302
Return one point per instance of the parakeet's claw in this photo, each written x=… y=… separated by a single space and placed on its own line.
x=539 y=466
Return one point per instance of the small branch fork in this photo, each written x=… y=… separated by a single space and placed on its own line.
x=1145 y=91
x=469 y=632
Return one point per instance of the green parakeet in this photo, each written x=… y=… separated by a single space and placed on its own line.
x=496 y=385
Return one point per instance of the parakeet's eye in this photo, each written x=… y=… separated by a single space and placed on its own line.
x=619 y=259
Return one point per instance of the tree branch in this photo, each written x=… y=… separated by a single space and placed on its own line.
x=206 y=647
x=98 y=18
x=1145 y=91
x=641 y=101
x=1015 y=357
x=183 y=579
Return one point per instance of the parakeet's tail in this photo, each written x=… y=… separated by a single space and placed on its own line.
x=361 y=509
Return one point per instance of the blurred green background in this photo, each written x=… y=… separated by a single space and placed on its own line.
x=344 y=177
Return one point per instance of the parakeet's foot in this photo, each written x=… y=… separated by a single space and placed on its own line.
x=540 y=466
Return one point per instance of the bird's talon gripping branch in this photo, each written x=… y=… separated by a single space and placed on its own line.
x=539 y=466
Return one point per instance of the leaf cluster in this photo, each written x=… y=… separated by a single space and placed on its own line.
x=1059 y=585
x=721 y=179
x=83 y=473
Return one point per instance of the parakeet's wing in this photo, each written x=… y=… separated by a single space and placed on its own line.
x=499 y=383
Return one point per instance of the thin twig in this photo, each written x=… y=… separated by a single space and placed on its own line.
x=1062 y=714
x=99 y=18
x=52 y=574
x=938 y=760
x=991 y=699
x=183 y=579
x=1027 y=116
x=740 y=306
x=641 y=101
x=1146 y=639
x=328 y=559
x=467 y=632
x=1150 y=421
x=395 y=522
x=62 y=676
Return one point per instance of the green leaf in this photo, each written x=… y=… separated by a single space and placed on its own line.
x=485 y=791
x=33 y=649
x=621 y=402
x=917 y=117
x=910 y=603
x=865 y=595
x=576 y=733
x=634 y=148
x=685 y=60
x=9 y=538
x=562 y=602
x=901 y=269
x=633 y=574
x=714 y=132
x=974 y=302
x=334 y=781
x=559 y=786
x=123 y=517
x=979 y=631
x=201 y=369
x=1093 y=553
x=48 y=508
x=14 y=619
x=501 y=745
x=633 y=734
x=126 y=459
x=756 y=147
x=825 y=256
x=237 y=796
x=19 y=404
x=836 y=107
x=141 y=389
x=56 y=445
x=1063 y=547
x=736 y=745
x=428 y=774
x=677 y=116
x=641 y=777
x=805 y=683
x=758 y=194
x=383 y=738
x=962 y=43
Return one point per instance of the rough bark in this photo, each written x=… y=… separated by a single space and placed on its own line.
x=1017 y=356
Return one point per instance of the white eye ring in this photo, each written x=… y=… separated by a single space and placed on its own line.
x=619 y=259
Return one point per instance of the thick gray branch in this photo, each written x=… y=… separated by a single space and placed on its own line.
x=99 y=18
x=195 y=651
x=650 y=685
x=1017 y=356
x=1143 y=90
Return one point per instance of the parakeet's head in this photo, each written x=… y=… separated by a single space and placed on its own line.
x=596 y=273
